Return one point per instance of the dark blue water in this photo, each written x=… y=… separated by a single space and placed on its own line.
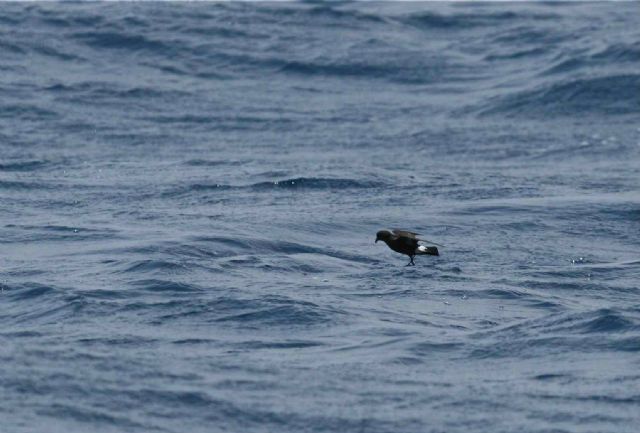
x=189 y=195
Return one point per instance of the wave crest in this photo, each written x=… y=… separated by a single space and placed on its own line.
x=607 y=95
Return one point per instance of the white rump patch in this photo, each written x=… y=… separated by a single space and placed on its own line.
x=421 y=249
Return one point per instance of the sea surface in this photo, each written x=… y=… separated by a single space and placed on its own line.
x=189 y=196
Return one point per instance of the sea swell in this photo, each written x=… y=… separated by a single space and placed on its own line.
x=614 y=96
x=190 y=195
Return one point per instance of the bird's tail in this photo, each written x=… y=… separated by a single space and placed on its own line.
x=432 y=251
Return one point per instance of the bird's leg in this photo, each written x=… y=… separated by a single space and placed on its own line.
x=411 y=262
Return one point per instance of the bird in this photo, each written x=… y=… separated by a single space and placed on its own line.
x=406 y=242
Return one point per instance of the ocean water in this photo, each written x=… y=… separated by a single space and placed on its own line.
x=189 y=196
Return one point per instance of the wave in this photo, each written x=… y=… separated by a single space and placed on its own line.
x=227 y=122
x=86 y=415
x=33 y=303
x=517 y=54
x=605 y=320
x=89 y=91
x=211 y=163
x=20 y=185
x=623 y=212
x=248 y=244
x=30 y=233
x=464 y=21
x=165 y=286
x=30 y=165
x=232 y=246
x=323 y=15
x=149 y=265
x=581 y=332
x=122 y=41
x=523 y=35
x=620 y=52
x=26 y=112
x=29 y=291
x=609 y=95
x=9 y=20
x=287 y=344
x=616 y=54
x=55 y=53
x=334 y=69
x=291 y=184
x=6 y=47
x=316 y=183
x=378 y=59
x=68 y=17
x=281 y=315
x=252 y=313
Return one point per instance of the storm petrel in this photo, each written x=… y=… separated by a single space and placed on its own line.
x=405 y=242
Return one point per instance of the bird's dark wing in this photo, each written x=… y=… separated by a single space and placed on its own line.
x=405 y=234
x=406 y=238
x=412 y=235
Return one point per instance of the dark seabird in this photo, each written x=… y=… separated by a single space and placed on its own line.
x=405 y=242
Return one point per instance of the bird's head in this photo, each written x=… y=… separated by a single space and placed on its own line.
x=383 y=235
